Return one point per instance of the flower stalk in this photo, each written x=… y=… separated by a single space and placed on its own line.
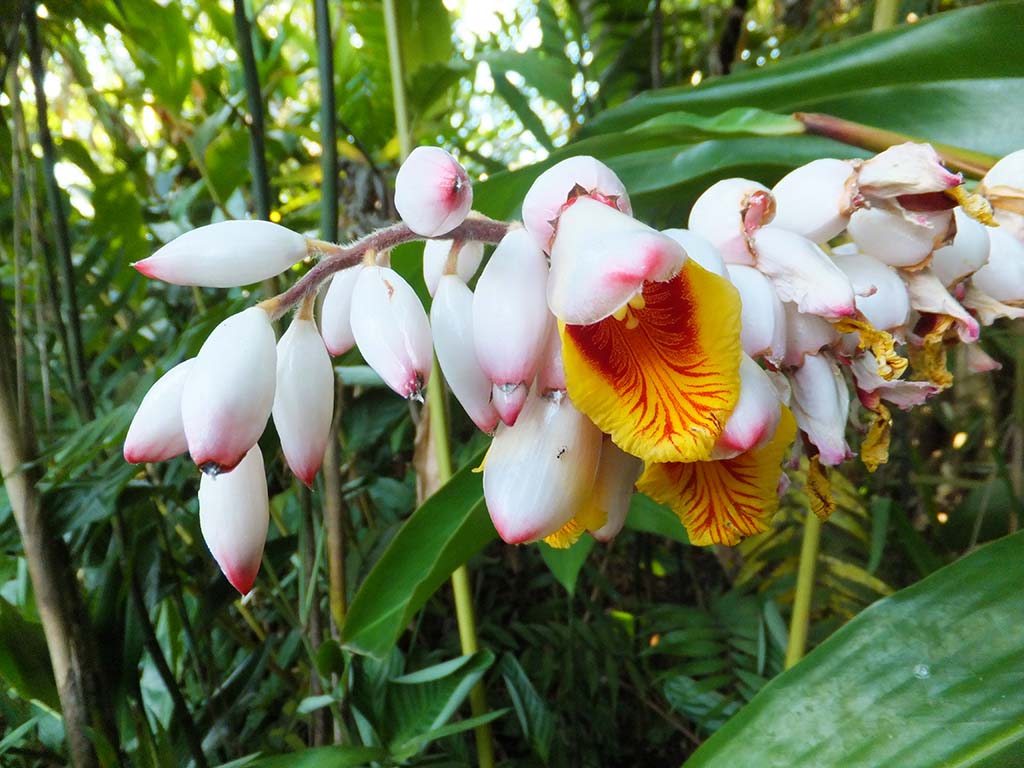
x=801 y=619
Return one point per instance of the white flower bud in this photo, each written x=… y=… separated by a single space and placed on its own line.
x=511 y=318
x=803 y=273
x=551 y=370
x=391 y=329
x=435 y=256
x=763 y=318
x=229 y=391
x=816 y=200
x=806 y=335
x=336 y=312
x=234 y=514
x=156 y=432
x=226 y=255
x=900 y=240
x=451 y=322
x=755 y=417
x=563 y=182
x=728 y=213
x=881 y=295
x=433 y=194
x=304 y=398
x=539 y=473
x=965 y=255
x=617 y=473
x=821 y=404
x=1003 y=186
x=699 y=249
x=1002 y=277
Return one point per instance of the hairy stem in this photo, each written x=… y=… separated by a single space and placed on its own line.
x=801 y=619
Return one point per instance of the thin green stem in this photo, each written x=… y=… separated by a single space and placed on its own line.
x=801 y=619
x=59 y=221
x=328 y=124
x=254 y=101
x=887 y=15
x=438 y=425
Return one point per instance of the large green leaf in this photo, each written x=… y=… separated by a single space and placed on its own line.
x=319 y=757
x=450 y=527
x=870 y=78
x=24 y=659
x=928 y=677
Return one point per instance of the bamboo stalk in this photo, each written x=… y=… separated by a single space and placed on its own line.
x=17 y=195
x=58 y=215
x=438 y=451
x=254 y=101
x=801 y=619
x=887 y=15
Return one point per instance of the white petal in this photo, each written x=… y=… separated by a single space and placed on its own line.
x=763 y=318
x=433 y=194
x=435 y=257
x=816 y=199
x=617 y=474
x=821 y=404
x=965 y=255
x=928 y=294
x=806 y=335
x=547 y=197
x=156 y=432
x=987 y=309
x=979 y=361
x=601 y=258
x=539 y=473
x=897 y=240
x=509 y=400
x=336 y=312
x=1002 y=277
x=225 y=255
x=510 y=314
x=699 y=249
x=901 y=393
x=906 y=169
x=881 y=295
x=234 y=514
x=451 y=322
x=229 y=391
x=729 y=212
x=803 y=273
x=392 y=331
x=754 y=419
x=304 y=398
x=551 y=371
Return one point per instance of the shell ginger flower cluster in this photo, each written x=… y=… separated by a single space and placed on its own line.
x=603 y=355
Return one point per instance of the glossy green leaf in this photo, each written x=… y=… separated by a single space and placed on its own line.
x=319 y=757
x=450 y=527
x=24 y=658
x=565 y=564
x=926 y=678
x=649 y=516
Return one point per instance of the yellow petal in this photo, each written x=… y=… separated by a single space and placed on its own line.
x=881 y=343
x=663 y=380
x=819 y=490
x=589 y=518
x=720 y=502
x=874 y=451
x=930 y=359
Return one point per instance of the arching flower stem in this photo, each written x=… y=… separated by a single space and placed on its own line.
x=334 y=258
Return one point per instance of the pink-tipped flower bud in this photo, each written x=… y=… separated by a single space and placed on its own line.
x=821 y=404
x=906 y=169
x=728 y=213
x=511 y=319
x=817 y=199
x=699 y=249
x=806 y=335
x=600 y=260
x=755 y=417
x=451 y=322
x=156 y=433
x=560 y=186
x=435 y=257
x=433 y=193
x=900 y=239
x=234 y=514
x=763 y=318
x=617 y=473
x=1002 y=277
x=226 y=255
x=336 y=312
x=965 y=255
x=391 y=329
x=229 y=391
x=551 y=370
x=304 y=398
x=1003 y=187
x=803 y=273
x=539 y=473
x=881 y=295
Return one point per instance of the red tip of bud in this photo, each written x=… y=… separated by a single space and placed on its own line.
x=242 y=578
x=144 y=268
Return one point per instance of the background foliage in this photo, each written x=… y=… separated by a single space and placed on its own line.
x=634 y=653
